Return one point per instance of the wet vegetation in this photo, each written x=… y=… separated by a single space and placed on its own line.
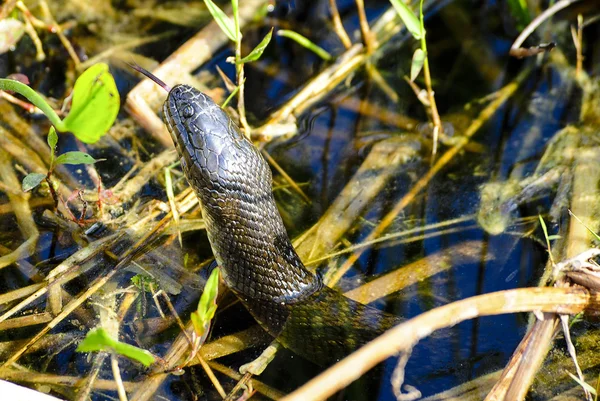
x=439 y=161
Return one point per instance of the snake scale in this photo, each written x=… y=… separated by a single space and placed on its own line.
x=249 y=241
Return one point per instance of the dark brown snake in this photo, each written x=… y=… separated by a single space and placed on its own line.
x=250 y=242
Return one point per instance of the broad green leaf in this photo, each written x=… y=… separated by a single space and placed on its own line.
x=95 y=104
x=417 y=64
x=99 y=340
x=225 y=23
x=11 y=31
x=258 y=50
x=408 y=17
x=75 y=157
x=32 y=180
x=302 y=40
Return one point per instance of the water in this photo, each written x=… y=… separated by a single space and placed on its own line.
x=468 y=49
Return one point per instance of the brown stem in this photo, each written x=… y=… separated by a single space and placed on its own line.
x=338 y=27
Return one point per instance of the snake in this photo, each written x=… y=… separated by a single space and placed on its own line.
x=233 y=183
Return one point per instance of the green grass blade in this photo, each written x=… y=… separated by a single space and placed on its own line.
x=258 y=50
x=224 y=22
x=319 y=51
x=409 y=18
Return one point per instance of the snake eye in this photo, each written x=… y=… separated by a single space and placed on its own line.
x=187 y=111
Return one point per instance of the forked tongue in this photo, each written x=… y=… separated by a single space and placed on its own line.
x=151 y=76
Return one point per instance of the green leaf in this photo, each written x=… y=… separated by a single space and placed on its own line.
x=95 y=104
x=75 y=157
x=302 y=40
x=207 y=306
x=417 y=64
x=224 y=22
x=52 y=138
x=32 y=180
x=99 y=340
x=258 y=50
x=52 y=141
x=409 y=18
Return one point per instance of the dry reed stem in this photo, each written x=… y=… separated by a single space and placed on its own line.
x=126 y=258
x=20 y=205
x=537 y=21
x=286 y=176
x=57 y=380
x=409 y=333
x=259 y=386
x=175 y=355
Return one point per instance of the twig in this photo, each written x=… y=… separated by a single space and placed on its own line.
x=114 y=364
x=56 y=28
x=577 y=35
x=409 y=333
x=368 y=37
x=533 y=25
x=338 y=27
x=437 y=122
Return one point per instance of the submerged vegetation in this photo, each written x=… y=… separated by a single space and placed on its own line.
x=439 y=160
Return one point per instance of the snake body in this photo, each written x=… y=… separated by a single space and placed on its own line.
x=258 y=262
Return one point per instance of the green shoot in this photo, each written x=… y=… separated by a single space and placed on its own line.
x=32 y=180
x=94 y=110
x=99 y=340
x=303 y=41
x=95 y=103
x=207 y=306
x=416 y=26
x=231 y=28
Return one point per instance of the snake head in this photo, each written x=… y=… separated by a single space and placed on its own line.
x=203 y=133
